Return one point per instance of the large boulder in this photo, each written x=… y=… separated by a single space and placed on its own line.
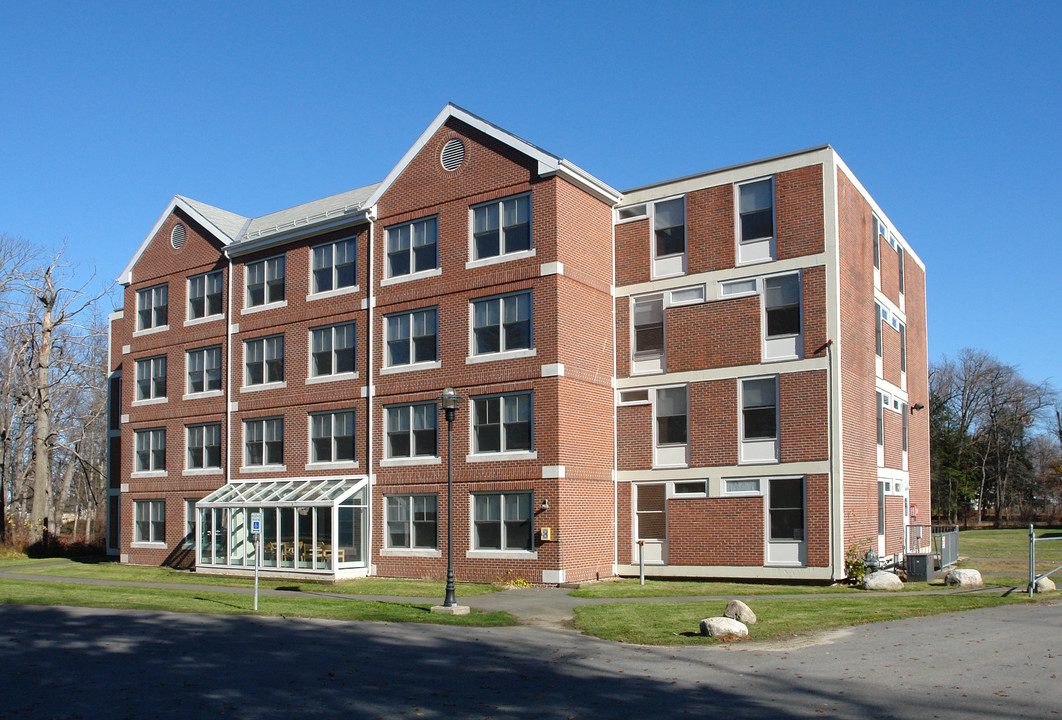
x=723 y=627
x=1044 y=584
x=882 y=580
x=740 y=611
x=968 y=578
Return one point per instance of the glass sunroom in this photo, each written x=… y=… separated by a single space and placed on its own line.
x=315 y=526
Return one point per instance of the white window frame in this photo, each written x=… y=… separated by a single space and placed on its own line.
x=693 y=488
x=156 y=443
x=270 y=278
x=205 y=279
x=265 y=343
x=765 y=449
x=266 y=423
x=647 y=362
x=409 y=409
x=475 y=259
x=312 y=375
x=761 y=249
x=333 y=439
x=333 y=268
x=631 y=213
x=727 y=491
x=672 y=454
x=413 y=363
x=674 y=263
x=503 y=351
x=784 y=552
x=408 y=502
x=881 y=402
x=205 y=353
x=190 y=517
x=503 y=452
x=633 y=396
x=503 y=549
x=158 y=304
x=879 y=230
x=154 y=394
x=203 y=428
x=430 y=226
x=156 y=523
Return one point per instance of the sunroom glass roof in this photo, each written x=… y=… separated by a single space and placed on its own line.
x=276 y=493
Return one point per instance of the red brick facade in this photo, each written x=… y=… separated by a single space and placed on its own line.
x=561 y=430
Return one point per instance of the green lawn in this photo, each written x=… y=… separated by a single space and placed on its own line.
x=1009 y=543
x=17 y=560
x=679 y=623
x=130 y=597
x=143 y=573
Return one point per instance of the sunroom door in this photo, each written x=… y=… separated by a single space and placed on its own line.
x=650 y=523
x=786 y=535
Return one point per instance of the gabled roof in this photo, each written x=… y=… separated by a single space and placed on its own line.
x=223 y=225
x=548 y=163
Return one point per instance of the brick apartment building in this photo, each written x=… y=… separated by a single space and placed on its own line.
x=728 y=367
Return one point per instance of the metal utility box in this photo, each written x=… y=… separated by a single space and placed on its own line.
x=919 y=567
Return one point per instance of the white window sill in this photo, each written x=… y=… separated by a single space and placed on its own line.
x=195 y=472
x=758 y=461
x=502 y=554
x=483 y=262
x=203 y=395
x=150 y=401
x=398 y=279
x=339 y=292
x=504 y=355
x=333 y=466
x=412 y=367
x=501 y=456
x=151 y=331
x=264 y=308
x=264 y=386
x=148 y=545
x=248 y=469
x=149 y=474
x=203 y=320
x=780 y=358
x=338 y=377
x=406 y=552
x=665 y=466
x=406 y=462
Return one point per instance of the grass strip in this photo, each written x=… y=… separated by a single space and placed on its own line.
x=360 y=586
x=679 y=623
x=137 y=598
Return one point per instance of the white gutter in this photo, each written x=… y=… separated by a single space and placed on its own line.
x=370 y=302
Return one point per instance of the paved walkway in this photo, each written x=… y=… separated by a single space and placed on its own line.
x=531 y=606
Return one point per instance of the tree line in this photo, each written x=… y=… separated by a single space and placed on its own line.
x=996 y=442
x=53 y=380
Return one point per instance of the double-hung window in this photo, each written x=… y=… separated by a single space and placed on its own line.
x=149 y=521
x=756 y=221
x=412 y=522
x=204 y=447
x=669 y=227
x=412 y=431
x=332 y=437
x=412 y=247
x=151 y=378
x=265 y=282
x=648 y=314
x=332 y=350
x=152 y=307
x=781 y=302
x=334 y=265
x=759 y=419
x=411 y=337
x=204 y=295
x=264 y=360
x=263 y=442
x=204 y=370
x=501 y=324
x=503 y=521
x=502 y=423
x=671 y=426
x=150 y=450
x=501 y=227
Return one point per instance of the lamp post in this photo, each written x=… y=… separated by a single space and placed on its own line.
x=449 y=401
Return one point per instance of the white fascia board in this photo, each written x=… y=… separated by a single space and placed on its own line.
x=281 y=238
x=548 y=164
x=877 y=209
x=126 y=277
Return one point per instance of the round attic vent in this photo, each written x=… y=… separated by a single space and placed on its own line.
x=453 y=154
x=177 y=236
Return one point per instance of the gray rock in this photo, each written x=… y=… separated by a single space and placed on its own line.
x=964 y=578
x=740 y=611
x=882 y=580
x=1044 y=584
x=723 y=627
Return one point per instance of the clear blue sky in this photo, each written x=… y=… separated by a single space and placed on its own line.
x=948 y=113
